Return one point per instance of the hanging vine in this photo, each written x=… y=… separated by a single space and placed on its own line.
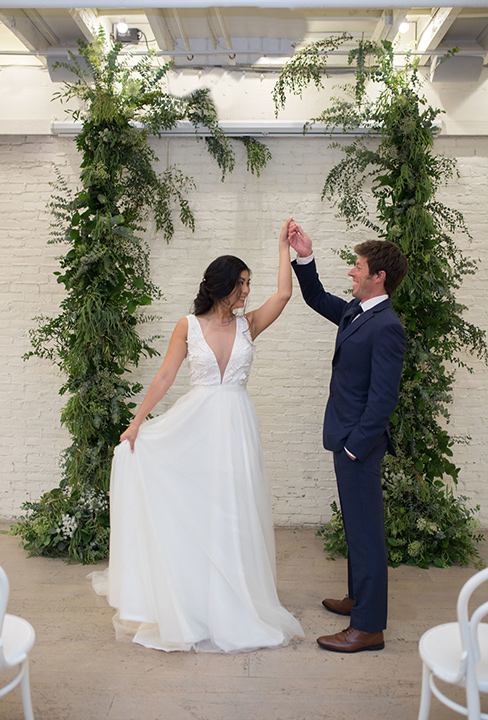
x=95 y=338
x=394 y=164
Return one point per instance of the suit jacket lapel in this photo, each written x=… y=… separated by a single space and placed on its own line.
x=359 y=321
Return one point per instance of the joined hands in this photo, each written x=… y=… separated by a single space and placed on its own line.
x=299 y=239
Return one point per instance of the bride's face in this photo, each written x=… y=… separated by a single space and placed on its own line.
x=238 y=297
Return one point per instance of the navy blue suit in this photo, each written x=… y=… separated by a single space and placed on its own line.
x=366 y=370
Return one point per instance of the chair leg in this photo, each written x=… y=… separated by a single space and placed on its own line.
x=426 y=694
x=26 y=694
x=472 y=694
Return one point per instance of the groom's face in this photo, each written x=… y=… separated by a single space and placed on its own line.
x=364 y=285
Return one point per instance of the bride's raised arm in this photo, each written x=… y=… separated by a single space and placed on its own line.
x=262 y=318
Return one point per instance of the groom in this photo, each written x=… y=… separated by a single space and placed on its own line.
x=366 y=369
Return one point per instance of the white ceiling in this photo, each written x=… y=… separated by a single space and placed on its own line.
x=235 y=36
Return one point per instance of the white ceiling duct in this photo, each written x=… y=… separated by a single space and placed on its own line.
x=262 y=129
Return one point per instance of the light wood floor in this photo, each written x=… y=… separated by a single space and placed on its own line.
x=79 y=671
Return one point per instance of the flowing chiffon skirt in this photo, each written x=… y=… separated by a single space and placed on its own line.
x=192 y=555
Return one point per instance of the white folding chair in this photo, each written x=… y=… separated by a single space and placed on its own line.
x=457 y=653
x=16 y=640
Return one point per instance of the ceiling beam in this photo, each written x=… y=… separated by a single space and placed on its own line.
x=383 y=25
x=213 y=29
x=87 y=21
x=25 y=28
x=181 y=30
x=223 y=28
x=44 y=28
x=158 y=23
x=224 y=32
x=435 y=30
x=387 y=27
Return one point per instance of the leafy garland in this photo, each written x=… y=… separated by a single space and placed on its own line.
x=307 y=65
x=95 y=338
x=424 y=521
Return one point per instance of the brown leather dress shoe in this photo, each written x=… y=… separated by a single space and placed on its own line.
x=351 y=641
x=340 y=607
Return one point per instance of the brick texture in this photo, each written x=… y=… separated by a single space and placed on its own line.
x=242 y=216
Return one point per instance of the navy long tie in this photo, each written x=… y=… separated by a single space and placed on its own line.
x=351 y=314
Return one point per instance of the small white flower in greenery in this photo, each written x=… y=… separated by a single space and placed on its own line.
x=414 y=548
x=68 y=526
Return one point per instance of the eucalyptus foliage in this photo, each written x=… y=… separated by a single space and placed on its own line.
x=424 y=522
x=95 y=338
x=309 y=64
x=393 y=165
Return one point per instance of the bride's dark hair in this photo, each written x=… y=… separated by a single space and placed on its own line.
x=219 y=281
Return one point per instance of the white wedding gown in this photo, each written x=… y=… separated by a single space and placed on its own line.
x=192 y=555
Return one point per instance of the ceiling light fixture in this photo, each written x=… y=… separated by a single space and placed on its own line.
x=124 y=34
x=404 y=27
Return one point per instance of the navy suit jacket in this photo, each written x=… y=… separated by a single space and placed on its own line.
x=366 y=368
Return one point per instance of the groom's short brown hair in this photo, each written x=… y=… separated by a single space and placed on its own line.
x=384 y=255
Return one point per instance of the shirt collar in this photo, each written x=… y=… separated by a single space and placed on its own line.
x=372 y=302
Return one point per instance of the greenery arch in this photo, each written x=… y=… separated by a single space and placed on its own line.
x=394 y=164
x=95 y=338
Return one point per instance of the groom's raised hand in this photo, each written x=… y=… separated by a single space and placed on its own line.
x=299 y=240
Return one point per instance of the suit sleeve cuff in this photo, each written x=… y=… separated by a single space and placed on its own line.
x=304 y=260
x=353 y=457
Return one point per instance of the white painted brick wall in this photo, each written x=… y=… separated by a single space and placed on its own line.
x=241 y=216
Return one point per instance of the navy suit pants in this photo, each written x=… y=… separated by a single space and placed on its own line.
x=361 y=498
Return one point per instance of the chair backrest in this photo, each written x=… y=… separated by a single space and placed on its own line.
x=4 y=591
x=469 y=626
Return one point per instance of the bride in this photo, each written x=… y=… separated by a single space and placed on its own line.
x=192 y=557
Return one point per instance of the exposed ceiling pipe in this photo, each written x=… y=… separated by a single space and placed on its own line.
x=286 y=4
x=264 y=128
x=259 y=128
x=63 y=53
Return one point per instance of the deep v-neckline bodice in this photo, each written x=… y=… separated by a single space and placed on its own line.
x=222 y=373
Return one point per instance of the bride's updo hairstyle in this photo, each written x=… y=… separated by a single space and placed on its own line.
x=219 y=281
